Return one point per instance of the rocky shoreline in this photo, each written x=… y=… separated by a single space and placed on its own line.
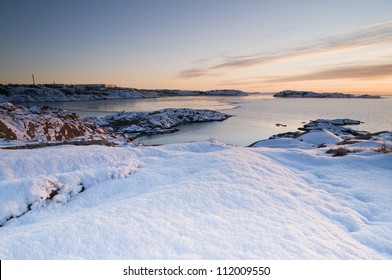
x=62 y=93
x=38 y=125
x=331 y=137
x=135 y=124
x=311 y=94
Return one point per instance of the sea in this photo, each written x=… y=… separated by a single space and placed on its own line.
x=255 y=117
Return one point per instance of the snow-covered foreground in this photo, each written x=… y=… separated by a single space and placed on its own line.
x=200 y=200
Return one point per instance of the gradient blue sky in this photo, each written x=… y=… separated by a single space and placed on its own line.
x=264 y=45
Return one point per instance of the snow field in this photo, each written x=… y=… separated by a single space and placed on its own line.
x=200 y=200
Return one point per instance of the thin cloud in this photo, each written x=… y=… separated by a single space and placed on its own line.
x=374 y=34
x=348 y=72
x=192 y=73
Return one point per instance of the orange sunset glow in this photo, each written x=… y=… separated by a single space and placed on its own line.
x=262 y=46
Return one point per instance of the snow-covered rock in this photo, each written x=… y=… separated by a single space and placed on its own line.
x=325 y=123
x=283 y=143
x=44 y=124
x=311 y=94
x=229 y=92
x=305 y=140
x=162 y=121
x=51 y=124
x=25 y=93
x=320 y=137
x=324 y=132
x=46 y=94
x=175 y=92
x=336 y=126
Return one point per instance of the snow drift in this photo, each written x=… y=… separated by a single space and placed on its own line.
x=194 y=201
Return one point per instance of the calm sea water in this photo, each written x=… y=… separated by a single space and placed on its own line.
x=255 y=116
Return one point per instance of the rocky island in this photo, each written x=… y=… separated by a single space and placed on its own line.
x=135 y=124
x=311 y=94
x=87 y=92
x=324 y=133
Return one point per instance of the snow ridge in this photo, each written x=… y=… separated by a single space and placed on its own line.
x=200 y=200
x=35 y=188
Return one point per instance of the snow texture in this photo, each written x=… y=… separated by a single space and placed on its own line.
x=286 y=197
x=200 y=200
x=320 y=137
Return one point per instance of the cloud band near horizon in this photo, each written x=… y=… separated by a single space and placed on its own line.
x=351 y=72
x=372 y=35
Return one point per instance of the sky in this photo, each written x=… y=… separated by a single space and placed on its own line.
x=250 y=45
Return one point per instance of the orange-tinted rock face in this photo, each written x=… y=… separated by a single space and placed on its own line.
x=6 y=132
x=42 y=123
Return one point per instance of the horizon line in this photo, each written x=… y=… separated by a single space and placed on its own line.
x=110 y=85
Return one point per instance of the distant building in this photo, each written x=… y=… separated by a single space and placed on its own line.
x=89 y=86
x=110 y=86
x=65 y=86
x=53 y=85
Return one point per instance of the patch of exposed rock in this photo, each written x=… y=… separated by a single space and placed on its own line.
x=44 y=124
